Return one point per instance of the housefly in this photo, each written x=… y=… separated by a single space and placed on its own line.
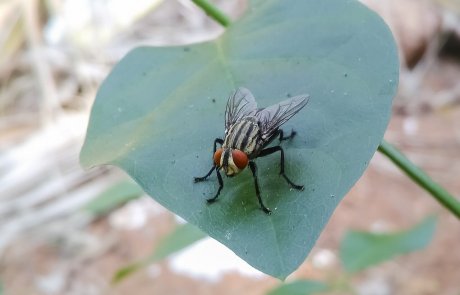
x=248 y=132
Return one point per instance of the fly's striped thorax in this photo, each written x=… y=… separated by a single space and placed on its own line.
x=243 y=135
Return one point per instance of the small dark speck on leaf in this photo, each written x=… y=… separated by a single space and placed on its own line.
x=173 y=162
x=186 y=49
x=197 y=156
x=332 y=196
x=345 y=75
x=213 y=100
x=288 y=95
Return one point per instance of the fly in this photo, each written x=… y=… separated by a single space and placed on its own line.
x=248 y=132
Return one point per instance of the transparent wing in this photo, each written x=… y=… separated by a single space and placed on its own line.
x=273 y=117
x=240 y=104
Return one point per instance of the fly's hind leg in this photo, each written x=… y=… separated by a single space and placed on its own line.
x=290 y=136
x=203 y=178
x=253 y=167
x=275 y=149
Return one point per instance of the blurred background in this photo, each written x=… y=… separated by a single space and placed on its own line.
x=67 y=231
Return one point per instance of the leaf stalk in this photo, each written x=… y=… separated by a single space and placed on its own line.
x=213 y=12
x=420 y=177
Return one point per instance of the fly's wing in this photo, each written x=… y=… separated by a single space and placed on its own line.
x=273 y=117
x=240 y=104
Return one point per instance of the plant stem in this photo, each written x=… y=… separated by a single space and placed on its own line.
x=213 y=12
x=415 y=173
x=421 y=178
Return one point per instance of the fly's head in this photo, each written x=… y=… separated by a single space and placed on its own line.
x=231 y=161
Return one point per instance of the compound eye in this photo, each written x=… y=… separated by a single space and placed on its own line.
x=240 y=159
x=217 y=156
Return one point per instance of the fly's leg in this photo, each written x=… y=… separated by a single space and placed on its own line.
x=217 y=141
x=275 y=149
x=214 y=167
x=221 y=186
x=290 y=136
x=253 y=167
x=199 y=179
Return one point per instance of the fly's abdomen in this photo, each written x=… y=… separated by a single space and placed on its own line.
x=243 y=135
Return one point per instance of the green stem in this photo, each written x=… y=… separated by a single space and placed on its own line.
x=421 y=178
x=213 y=12
x=415 y=173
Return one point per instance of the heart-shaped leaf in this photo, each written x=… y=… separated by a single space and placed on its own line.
x=160 y=109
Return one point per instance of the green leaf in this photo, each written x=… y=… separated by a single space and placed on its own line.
x=127 y=271
x=157 y=114
x=182 y=237
x=114 y=197
x=360 y=250
x=300 y=287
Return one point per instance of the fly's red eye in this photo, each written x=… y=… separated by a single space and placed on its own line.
x=240 y=159
x=217 y=156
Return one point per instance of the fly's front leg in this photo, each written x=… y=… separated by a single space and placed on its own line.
x=275 y=149
x=203 y=178
x=216 y=141
x=253 y=167
x=221 y=186
x=290 y=136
